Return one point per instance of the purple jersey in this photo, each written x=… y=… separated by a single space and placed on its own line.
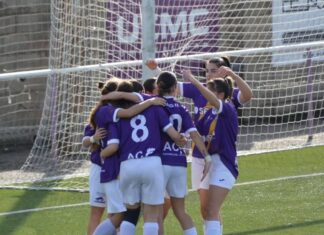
x=111 y=165
x=105 y=115
x=144 y=96
x=172 y=155
x=94 y=155
x=219 y=130
x=201 y=106
x=140 y=136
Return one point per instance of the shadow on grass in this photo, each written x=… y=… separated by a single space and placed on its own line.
x=278 y=228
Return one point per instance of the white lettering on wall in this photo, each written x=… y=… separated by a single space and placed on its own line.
x=183 y=23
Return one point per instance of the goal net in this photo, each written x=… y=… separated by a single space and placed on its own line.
x=276 y=46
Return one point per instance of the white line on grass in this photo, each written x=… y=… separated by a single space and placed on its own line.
x=279 y=179
x=274 y=179
x=191 y=190
x=43 y=209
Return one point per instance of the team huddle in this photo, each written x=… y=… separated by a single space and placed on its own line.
x=136 y=137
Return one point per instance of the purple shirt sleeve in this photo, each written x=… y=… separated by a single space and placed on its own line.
x=88 y=131
x=188 y=90
x=106 y=114
x=235 y=98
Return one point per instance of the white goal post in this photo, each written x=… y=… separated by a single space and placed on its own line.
x=276 y=46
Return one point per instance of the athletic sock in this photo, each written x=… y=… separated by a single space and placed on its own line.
x=127 y=228
x=105 y=228
x=190 y=231
x=213 y=227
x=150 y=228
x=221 y=226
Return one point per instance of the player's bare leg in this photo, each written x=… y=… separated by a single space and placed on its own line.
x=178 y=206
x=203 y=198
x=217 y=197
x=151 y=217
x=95 y=218
x=163 y=214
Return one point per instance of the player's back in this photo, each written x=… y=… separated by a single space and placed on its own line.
x=140 y=136
x=182 y=122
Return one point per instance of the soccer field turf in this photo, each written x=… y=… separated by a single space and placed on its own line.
x=277 y=193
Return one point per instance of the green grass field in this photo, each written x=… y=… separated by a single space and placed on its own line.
x=268 y=199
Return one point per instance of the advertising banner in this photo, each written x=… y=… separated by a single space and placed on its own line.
x=295 y=22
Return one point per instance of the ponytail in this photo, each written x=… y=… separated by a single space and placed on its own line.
x=221 y=85
x=230 y=84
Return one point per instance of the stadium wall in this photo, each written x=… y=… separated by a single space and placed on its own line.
x=24 y=43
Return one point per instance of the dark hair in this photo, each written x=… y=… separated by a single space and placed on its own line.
x=109 y=86
x=124 y=86
x=137 y=86
x=149 y=85
x=222 y=85
x=105 y=88
x=221 y=61
x=165 y=82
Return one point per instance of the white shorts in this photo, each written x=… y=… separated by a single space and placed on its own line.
x=141 y=180
x=175 y=181
x=219 y=174
x=197 y=168
x=96 y=190
x=115 y=203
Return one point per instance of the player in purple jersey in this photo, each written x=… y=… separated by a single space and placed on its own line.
x=141 y=174
x=222 y=119
x=217 y=67
x=102 y=116
x=94 y=178
x=97 y=199
x=150 y=87
x=106 y=112
x=174 y=158
x=109 y=180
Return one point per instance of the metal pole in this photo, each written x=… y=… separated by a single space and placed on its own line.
x=310 y=89
x=148 y=35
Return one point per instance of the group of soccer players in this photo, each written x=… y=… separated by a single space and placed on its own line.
x=136 y=142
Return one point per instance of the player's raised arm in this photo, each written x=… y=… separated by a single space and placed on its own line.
x=138 y=108
x=210 y=96
x=153 y=65
x=245 y=90
x=117 y=95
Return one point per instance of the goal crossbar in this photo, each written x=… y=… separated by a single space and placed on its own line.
x=107 y=66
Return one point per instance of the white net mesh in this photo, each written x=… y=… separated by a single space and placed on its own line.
x=259 y=37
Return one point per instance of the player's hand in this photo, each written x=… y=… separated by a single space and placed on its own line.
x=158 y=101
x=182 y=141
x=151 y=64
x=223 y=72
x=187 y=76
x=207 y=167
x=99 y=134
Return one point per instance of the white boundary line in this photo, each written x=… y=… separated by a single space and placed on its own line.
x=191 y=190
x=279 y=179
x=274 y=179
x=43 y=209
